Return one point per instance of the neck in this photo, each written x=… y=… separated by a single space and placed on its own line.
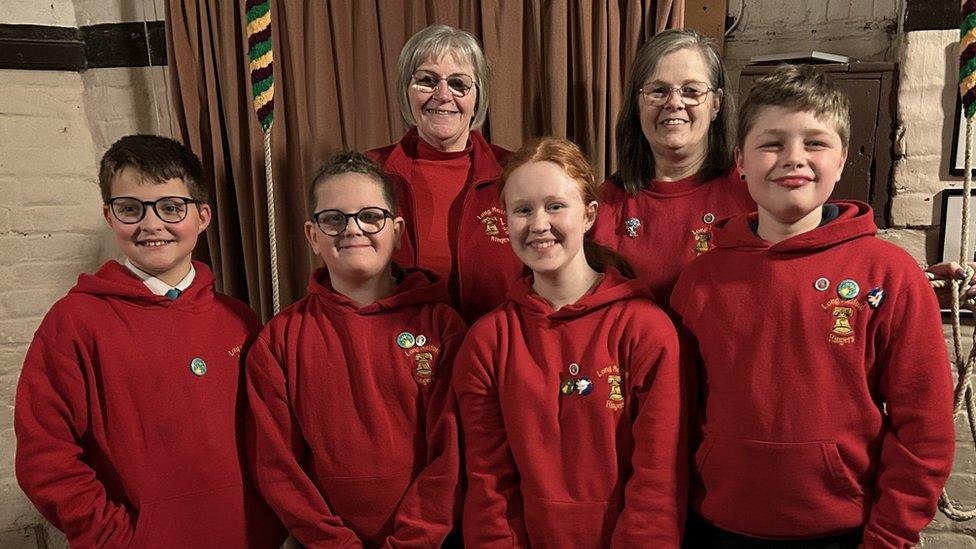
x=365 y=291
x=562 y=288
x=173 y=276
x=774 y=230
x=451 y=144
x=675 y=164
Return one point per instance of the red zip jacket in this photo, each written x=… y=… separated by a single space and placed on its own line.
x=352 y=427
x=484 y=265
x=577 y=456
x=805 y=344
x=670 y=223
x=119 y=442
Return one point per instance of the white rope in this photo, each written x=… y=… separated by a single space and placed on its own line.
x=272 y=239
x=964 y=367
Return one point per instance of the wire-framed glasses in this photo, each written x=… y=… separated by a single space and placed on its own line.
x=691 y=93
x=427 y=81
x=370 y=220
x=171 y=209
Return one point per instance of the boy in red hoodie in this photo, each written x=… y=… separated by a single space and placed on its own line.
x=128 y=413
x=827 y=418
x=569 y=392
x=352 y=428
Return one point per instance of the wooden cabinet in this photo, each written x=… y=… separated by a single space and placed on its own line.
x=872 y=89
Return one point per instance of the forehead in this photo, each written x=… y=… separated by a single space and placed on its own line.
x=540 y=180
x=447 y=62
x=349 y=191
x=784 y=120
x=130 y=181
x=680 y=66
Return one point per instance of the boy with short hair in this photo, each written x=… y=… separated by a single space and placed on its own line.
x=128 y=413
x=352 y=428
x=827 y=417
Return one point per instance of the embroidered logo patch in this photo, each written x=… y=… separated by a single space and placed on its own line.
x=423 y=360
x=842 y=311
x=493 y=223
x=702 y=237
x=615 y=398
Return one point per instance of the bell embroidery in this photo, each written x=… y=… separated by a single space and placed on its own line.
x=491 y=225
x=702 y=237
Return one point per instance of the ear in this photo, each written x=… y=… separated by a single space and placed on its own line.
x=843 y=159
x=398 y=225
x=590 y=214
x=312 y=235
x=205 y=214
x=107 y=214
x=717 y=102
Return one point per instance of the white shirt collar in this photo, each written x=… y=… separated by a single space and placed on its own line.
x=157 y=286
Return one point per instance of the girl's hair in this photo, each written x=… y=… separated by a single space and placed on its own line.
x=635 y=160
x=350 y=162
x=565 y=154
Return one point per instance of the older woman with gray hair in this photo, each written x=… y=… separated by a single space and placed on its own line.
x=675 y=167
x=447 y=174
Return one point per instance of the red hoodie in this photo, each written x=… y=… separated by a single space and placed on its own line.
x=569 y=414
x=119 y=442
x=670 y=223
x=800 y=361
x=352 y=428
x=483 y=265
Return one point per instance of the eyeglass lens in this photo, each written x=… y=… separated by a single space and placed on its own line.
x=460 y=84
x=692 y=93
x=369 y=220
x=171 y=209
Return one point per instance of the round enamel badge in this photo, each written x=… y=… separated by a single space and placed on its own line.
x=848 y=289
x=421 y=340
x=821 y=284
x=405 y=340
x=708 y=218
x=198 y=366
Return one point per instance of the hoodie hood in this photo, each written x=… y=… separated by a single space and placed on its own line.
x=614 y=287
x=416 y=286
x=854 y=220
x=114 y=280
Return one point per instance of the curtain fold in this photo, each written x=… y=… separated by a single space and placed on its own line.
x=558 y=67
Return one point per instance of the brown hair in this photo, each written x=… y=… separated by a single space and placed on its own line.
x=799 y=89
x=635 y=161
x=157 y=158
x=568 y=156
x=350 y=162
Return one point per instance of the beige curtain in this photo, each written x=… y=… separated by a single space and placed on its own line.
x=558 y=68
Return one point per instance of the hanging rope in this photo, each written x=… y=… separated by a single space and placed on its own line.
x=261 y=65
x=964 y=367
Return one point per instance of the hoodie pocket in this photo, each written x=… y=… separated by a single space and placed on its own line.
x=366 y=505
x=212 y=518
x=777 y=489
x=569 y=524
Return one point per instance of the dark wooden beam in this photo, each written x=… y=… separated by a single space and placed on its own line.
x=36 y=47
x=932 y=15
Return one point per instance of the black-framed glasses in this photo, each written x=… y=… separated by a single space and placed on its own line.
x=427 y=81
x=370 y=220
x=171 y=209
x=691 y=93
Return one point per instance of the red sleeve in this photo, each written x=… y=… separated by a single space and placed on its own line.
x=492 y=514
x=428 y=509
x=915 y=383
x=276 y=449
x=656 y=495
x=51 y=421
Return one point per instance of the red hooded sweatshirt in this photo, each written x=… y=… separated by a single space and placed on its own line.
x=828 y=397
x=129 y=417
x=484 y=265
x=667 y=224
x=572 y=422
x=352 y=427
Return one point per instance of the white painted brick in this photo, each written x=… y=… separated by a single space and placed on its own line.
x=91 y=12
x=21 y=275
x=52 y=190
x=60 y=13
x=28 y=303
x=913 y=241
x=912 y=209
x=70 y=247
x=39 y=219
x=947 y=541
x=18 y=330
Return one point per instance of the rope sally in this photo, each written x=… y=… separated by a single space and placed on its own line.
x=964 y=368
x=261 y=65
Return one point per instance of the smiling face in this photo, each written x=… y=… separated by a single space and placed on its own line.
x=353 y=255
x=547 y=219
x=675 y=129
x=443 y=119
x=158 y=248
x=791 y=161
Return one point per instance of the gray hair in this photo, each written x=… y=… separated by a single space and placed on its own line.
x=432 y=43
x=635 y=161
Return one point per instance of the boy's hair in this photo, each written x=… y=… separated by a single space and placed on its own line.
x=157 y=158
x=568 y=156
x=350 y=162
x=798 y=89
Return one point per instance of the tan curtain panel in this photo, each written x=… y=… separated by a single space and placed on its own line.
x=558 y=68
